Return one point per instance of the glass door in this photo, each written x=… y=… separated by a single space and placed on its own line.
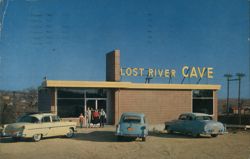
x=98 y=104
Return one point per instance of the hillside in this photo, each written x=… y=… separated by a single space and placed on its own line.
x=16 y=103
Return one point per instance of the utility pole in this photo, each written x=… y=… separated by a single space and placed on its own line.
x=228 y=76
x=239 y=75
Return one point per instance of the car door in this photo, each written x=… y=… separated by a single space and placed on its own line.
x=58 y=126
x=47 y=126
x=178 y=124
x=183 y=122
x=188 y=124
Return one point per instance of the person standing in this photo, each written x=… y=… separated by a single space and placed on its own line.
x=81 y=120
x=88 y=117
x=102 y=118
x=96 y=117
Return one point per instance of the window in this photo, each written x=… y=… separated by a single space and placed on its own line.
x=189 y=117
x=71 y=102
x=203 y=101
x=70 y=93
x=55 y=118
x=183 y=117
x=46 y=119
x=28 y=119
x=202 y=93
x=131 y=119
x=96 y=93
x=204 y=118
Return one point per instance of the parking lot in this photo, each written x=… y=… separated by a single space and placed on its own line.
x=101 y=143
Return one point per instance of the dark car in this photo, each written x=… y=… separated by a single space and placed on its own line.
x=195 y=124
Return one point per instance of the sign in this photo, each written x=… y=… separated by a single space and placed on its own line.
x=186 y=71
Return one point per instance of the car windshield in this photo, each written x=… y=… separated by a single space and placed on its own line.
x=204 y=118
x=28 y=119
x=131 y=119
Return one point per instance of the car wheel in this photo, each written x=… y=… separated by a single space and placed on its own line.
x=119 y=138
x=16 y=138
x=37 y=137
x=214 y=135
x=70 y=133
x=170 y=131
x=143 y=139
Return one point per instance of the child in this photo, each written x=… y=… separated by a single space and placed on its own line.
x=81 y=118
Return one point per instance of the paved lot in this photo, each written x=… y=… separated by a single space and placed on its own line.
x=100 y=143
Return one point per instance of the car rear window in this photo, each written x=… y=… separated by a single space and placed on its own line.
x=204 y=118
x=131 y=119
x=28 y=119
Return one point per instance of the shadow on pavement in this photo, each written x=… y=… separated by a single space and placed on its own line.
x=96 y=136
x=10 y=140
x=107 y=136
x=176 y=135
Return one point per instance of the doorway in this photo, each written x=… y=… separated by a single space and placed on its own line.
x=98 y=104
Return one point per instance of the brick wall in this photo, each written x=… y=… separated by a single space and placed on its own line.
x=113 y=66
x=158 y=105
x=44 y=100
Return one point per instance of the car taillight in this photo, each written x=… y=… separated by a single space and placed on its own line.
x=118 y=127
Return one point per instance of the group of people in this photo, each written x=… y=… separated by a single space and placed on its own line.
x=93 y=118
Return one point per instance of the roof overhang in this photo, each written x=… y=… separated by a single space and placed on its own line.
x=126 y=85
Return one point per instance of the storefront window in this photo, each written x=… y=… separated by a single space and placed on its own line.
x=70 y=93
x=70 y=107
x=71 y=102
x=96 y=93
x=203 y=101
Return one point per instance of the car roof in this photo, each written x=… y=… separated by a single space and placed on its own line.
x=41 y=115
x=196 y=114
x=133 y=114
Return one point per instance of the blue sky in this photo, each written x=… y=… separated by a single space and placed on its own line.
x=68 y=39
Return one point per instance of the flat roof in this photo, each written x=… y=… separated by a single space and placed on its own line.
x=126 y=85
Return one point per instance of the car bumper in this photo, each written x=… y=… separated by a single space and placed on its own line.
x=213 y=133
x=14 y=134
x=131 y=135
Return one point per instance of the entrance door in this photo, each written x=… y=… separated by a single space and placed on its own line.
x=91 y=104
x=98 y=104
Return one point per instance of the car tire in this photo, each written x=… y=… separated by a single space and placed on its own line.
x=70 y=133
x=214 y=135
x=169 y=130
x=119 y=138
x=143 y=139
x=37 y=137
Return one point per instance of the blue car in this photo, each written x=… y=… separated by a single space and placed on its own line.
x=195 y=124
x=132 y=125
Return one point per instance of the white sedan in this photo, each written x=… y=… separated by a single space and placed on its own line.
x=39 y=125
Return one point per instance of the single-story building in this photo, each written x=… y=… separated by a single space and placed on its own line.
x=160 y=102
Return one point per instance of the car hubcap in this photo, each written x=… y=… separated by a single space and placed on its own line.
x=37 y=137
x=70 y=133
